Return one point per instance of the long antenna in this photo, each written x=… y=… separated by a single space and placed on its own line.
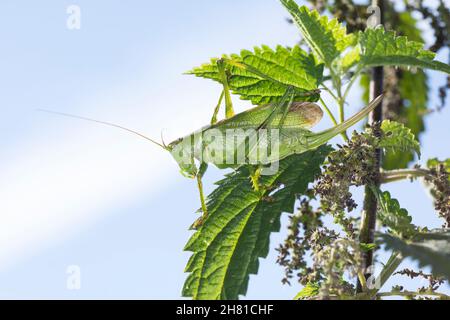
x=104 y=123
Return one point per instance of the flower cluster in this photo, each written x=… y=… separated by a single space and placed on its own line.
x=351 y=165
x=332 y=257
x=439 y=180
x=302 y=227
x=433 y=282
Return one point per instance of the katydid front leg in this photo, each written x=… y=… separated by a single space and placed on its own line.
x=229 y=112
x=216 y=110
x=199 y=222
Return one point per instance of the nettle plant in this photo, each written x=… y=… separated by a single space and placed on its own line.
x=306 y=177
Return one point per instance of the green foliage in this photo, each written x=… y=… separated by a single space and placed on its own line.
x=236 y=232
x=435 y=162
x=327 y=38
x=397 y=137
x=366 y=247
x=429 y=249
x=406 y=92
x=308 y=291
x=384 y=48
x=350 y=59
x=245 y=208
x=264 y=75
x=411 y=109
x=407 y=26
x=393 y=216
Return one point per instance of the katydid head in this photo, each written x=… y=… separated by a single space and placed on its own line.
x=182 y=152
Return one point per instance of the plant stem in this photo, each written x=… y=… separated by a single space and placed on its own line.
x=369 y=214
x=328 y=111
x=394 y=261
x=342 y=117
x=350 y=84
x=413 y=294
x=330 y=92
x=401 y=174
x=340 y=100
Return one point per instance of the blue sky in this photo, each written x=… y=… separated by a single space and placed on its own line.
x=74 y=193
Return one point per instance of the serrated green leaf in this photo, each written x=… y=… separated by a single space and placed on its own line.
x=385 y=48
x=429 y=249
x=350 y=59
x=309 y=290
x=236 y=232
x=393 y=216
x=397 y=137
x=412 y=88
x=327 y=38
x=264 y=75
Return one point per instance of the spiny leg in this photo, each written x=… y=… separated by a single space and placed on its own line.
x=229 y=111
x=216 y=110
x=199 y=222
x=285 y=111
x=280 y=106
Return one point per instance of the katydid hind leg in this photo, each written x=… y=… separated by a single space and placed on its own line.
x=280 y=107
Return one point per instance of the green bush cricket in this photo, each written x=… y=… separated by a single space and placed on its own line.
x=289 y=122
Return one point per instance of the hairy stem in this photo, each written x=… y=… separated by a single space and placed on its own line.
x=337 y=83
x=401 y=174
x=369 y=214
x=413 y=294
x=394 y=261
x=350 y=84
x=328 y=111
x=342 y=117
x=330 y=92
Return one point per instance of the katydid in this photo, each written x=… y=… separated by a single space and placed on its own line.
x=266 y=134
x=294 y=137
